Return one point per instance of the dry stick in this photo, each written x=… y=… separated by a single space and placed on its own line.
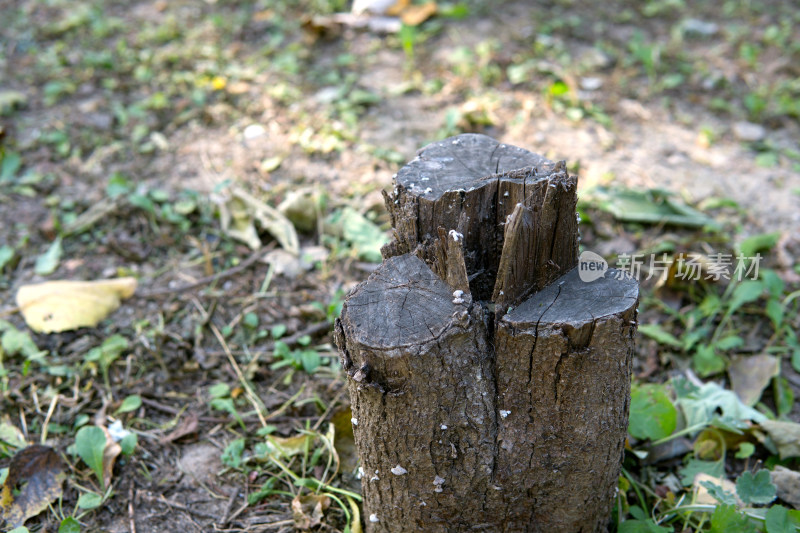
x=257 y=404
x=131 y=520
x=50 y=410
x=241 y=267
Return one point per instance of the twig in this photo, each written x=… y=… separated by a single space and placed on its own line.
x=131 y=514
x=241 y=267
x=174 y=505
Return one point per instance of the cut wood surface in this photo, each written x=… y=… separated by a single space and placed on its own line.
x=489 y=384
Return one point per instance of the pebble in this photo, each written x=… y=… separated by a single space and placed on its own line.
x=700 y=27
x=747 y=131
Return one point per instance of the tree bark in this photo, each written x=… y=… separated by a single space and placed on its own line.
x=489 y=384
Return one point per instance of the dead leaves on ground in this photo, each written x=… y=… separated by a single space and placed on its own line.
x=56 y=306
x=34 y=480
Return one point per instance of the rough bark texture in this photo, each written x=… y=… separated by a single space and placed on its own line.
x=489 y=384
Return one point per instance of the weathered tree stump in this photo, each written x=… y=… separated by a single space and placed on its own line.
x=489 y=384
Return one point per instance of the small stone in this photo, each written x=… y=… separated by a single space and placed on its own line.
x=253 y=131
x=749 y=132
x=700 y=27
x=591 y=84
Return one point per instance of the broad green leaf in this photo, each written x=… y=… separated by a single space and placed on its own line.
x=649 y=207
x=745 y=292
x=729 y=343
x=90 y=443
x=641 y=523
x=16 y=342
x=778 y=521
x=220 y=390
x=706 y=362
x=696 y=466
x=751 y=245
x=90 y=500
x=232 y=455
x=774 y=311
x=757 y=489
x=652 y=415
x=658 y=334
x=726 y=519
x=699 y=404
x=783 y=395
x=10 y=163
x=278 y=331
x=310 y=360
x=746 y=449
x=47 y=263
x=6 y=255
x=69 y=525
x=130 y=403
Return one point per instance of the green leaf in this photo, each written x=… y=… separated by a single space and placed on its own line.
x=90 y=442
x=774 y=311
x=699 y=404
x=220 y=390
x=250 y=320
x=757 y=489
x=718 y=493
x=784 y=396
x=118 y=185
x=130 y=403
x=278 y=331
x=778 y=521
x=20 y=529
x=729 y=343
x=697 y=466
x=746 y=449
x=652 y=415
x=128 y=443
x=47 y=263
x=651 y=206
x=6 y=255
x=9 y=165
x=310 y=360
x=232 y=455
x=745 y=292
x=658 y=334
x=727 y=519
x=90 y=500
x=16 y=342
x=706 y=362
x=69 y=525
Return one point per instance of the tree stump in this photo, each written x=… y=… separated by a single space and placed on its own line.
x=489 y=384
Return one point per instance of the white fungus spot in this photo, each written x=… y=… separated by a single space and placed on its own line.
x=456 y=142
x=505 y=193
x=457 y=297
x=354 y=421
x=360 y=472
x=373 y=518
x=399 y=470
x=504 y=413
x=428 y=190
x=438 y=482
x=443 y=427
x=455 y=235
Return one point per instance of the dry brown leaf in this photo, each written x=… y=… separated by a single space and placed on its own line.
x=703 y=496
x=186 y=426
x=308 y=510
x=415 y=15
x=37 y=473
x=56 y=306
x=751 y=374
x=785 y=435
x=110 y=454
x=788 y=484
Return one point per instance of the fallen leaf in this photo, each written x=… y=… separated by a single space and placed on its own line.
x=186 y=426
x=288 y=446
x=11 y=435
x=345 y=441
x=308 y=510
x=652 y=206
x=56 y=306
x=36 y=472
x=788 y=484
x=785 y=435
x=414 y=15
x=240 y=212
x=750 y=375
x=98 y=450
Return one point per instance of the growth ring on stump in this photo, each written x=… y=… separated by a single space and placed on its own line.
x=489 y=384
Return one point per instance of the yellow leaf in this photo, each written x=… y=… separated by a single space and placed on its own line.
x=415 y=15
x=64 y=305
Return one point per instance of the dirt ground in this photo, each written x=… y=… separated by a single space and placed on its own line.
x=190 y=96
